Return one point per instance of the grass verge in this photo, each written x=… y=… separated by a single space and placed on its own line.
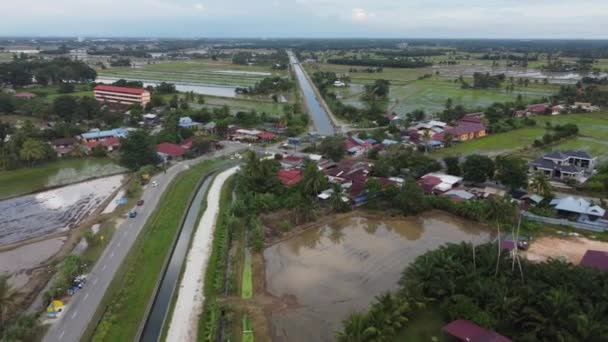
x=127 y=298
x=247 y=282
x=247 y=329
x=215 y=275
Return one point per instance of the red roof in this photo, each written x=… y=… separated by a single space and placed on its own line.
x=428 y=183
x=173 y=150
x=538 y=108
x=24 y=95
x=289 y=177
x=267 y=136
x=463 y=127
x=187 y=143
x=468 y=331
x=108 y=142
x=124 y=90
x=597 y=259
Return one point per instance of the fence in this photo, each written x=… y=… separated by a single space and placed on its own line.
x=563 y=222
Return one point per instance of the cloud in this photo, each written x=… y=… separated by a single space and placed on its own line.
x=199 y=7
x=359 y=14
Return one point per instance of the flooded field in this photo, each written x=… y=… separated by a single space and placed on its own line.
x=340 y=267
x=183 y=86
x=18 y=262
x=52 y=211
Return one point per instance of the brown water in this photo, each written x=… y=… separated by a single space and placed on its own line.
x=340 y=267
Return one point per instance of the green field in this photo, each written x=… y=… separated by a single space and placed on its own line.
x=195 y=72
x=50 y=92
x=593 y=138
x=244 y=104
x=247 y=280
x=61 y=172
x=6 y=57
x=248 y=335
x=130 y=292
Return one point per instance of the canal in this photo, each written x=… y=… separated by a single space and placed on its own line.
x=319 y=116
x=160 y=307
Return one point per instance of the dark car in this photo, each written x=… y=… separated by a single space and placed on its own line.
x=133 y=214
x=140 y=202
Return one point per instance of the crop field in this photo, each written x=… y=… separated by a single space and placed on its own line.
x=6 y=57
x=592 y=138
x=195 y=72
x=244 y=104
x=431 y=95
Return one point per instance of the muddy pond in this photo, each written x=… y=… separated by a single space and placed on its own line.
x=339 y=267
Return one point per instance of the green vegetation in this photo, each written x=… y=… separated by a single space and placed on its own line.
x=131 y=289
x=247 y=330
x=21 y=72
x=215 y=274
x=424 y=326
x=247 y=281
x=61 y=172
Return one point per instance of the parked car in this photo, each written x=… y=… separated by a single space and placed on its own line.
x=140 y=202
x=154 y=184
x=132 y=214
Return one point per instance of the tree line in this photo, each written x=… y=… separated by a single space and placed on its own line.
x=385 y=63
x=59 y=70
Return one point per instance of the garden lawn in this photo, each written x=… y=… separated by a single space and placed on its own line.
x=128 y=295
x=495 y=143
x=61 y=172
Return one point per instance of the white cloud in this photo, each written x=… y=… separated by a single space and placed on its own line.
x=199 y=7
x=359 y=14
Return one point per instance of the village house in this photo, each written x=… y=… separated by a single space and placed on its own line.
x=579 y=209
x=291 y=162
x=289 y=177
x=109 y=144
x=356 y=146
x=169 y=151
x=595 y=259
x=187 y=122
x=24 y=95
x=64 y=146
x=438 y=183
x=585 y=107
x=564 y=164
x=468 y=128
x=97 y=135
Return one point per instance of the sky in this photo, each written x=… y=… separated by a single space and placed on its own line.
x=587 y=19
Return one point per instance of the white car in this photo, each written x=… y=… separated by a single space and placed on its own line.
x=154 y=184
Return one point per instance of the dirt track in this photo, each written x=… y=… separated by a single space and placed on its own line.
x=572 y=248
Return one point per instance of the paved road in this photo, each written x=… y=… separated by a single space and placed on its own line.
x=81 y=308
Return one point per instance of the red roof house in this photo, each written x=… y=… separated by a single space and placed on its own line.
x=267 y=136
x=538 y=108
x=110 y=143
x=187 y=143
x=170 y=150
x=24 y=95
x=597 y=259
x=468 y=331
x=466 y=129
x=289 y=177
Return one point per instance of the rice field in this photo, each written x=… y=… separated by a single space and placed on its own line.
x=195 y=72
x=247 y=280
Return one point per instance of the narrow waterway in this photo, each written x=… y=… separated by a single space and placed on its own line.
x=155 y=320
x=319 y=116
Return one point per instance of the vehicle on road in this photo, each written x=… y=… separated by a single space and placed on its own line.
x=154 y=184
x=132 y=214
x=140 y=202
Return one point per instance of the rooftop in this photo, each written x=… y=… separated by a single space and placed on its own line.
x=289 y=177
x=597 y=259
x=123 y=90
x=170 y=149
x=562 y=155
x=577 y=205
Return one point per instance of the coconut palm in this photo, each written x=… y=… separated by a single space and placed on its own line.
x=501 y=212
x=313 y=180
x=336 y=202
x=426 y=137
x=540 y=184
x=32 y=151
x=7 y=297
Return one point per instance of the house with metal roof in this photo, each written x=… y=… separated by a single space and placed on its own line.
x=578 y=206
x=564 y=164
x=96 y=134
x=596 y=259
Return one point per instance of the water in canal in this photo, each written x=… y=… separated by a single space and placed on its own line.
x=156 y=318
x=319 y=116
x=339 y=268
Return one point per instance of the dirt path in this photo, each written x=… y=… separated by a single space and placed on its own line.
x=190 y=296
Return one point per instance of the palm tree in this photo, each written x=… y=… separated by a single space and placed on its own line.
x=426 y=137
x=540 y=184
x=313 y=180
x=447 y=139
x=500 y=211
x=335 y=201
x=7 y=297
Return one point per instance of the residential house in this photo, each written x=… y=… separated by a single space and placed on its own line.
x=459 y=195
x=356 y=146
x=289 y=177
x=595 y=259
x=64 y=146
x=292 y=162
x=169 y=151
x=538 y=109
x=109 y=144
x=585 y=106
x=580 y=208
x=394 y=119
x=121 y=95
x=187 y=122
x=97 y=135
x=467 y=128
x=558 y=109
x=24 y=95
x=564 y=164
x=438 y=182
x=210 y=127
x=467 y=331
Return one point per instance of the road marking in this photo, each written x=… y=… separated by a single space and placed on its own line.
x=95 y=281
x=74 y=314
x=104 y=267
x=62 y=333
x=86 y=295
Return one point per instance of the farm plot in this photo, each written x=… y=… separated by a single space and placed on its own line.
x=52 y=211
